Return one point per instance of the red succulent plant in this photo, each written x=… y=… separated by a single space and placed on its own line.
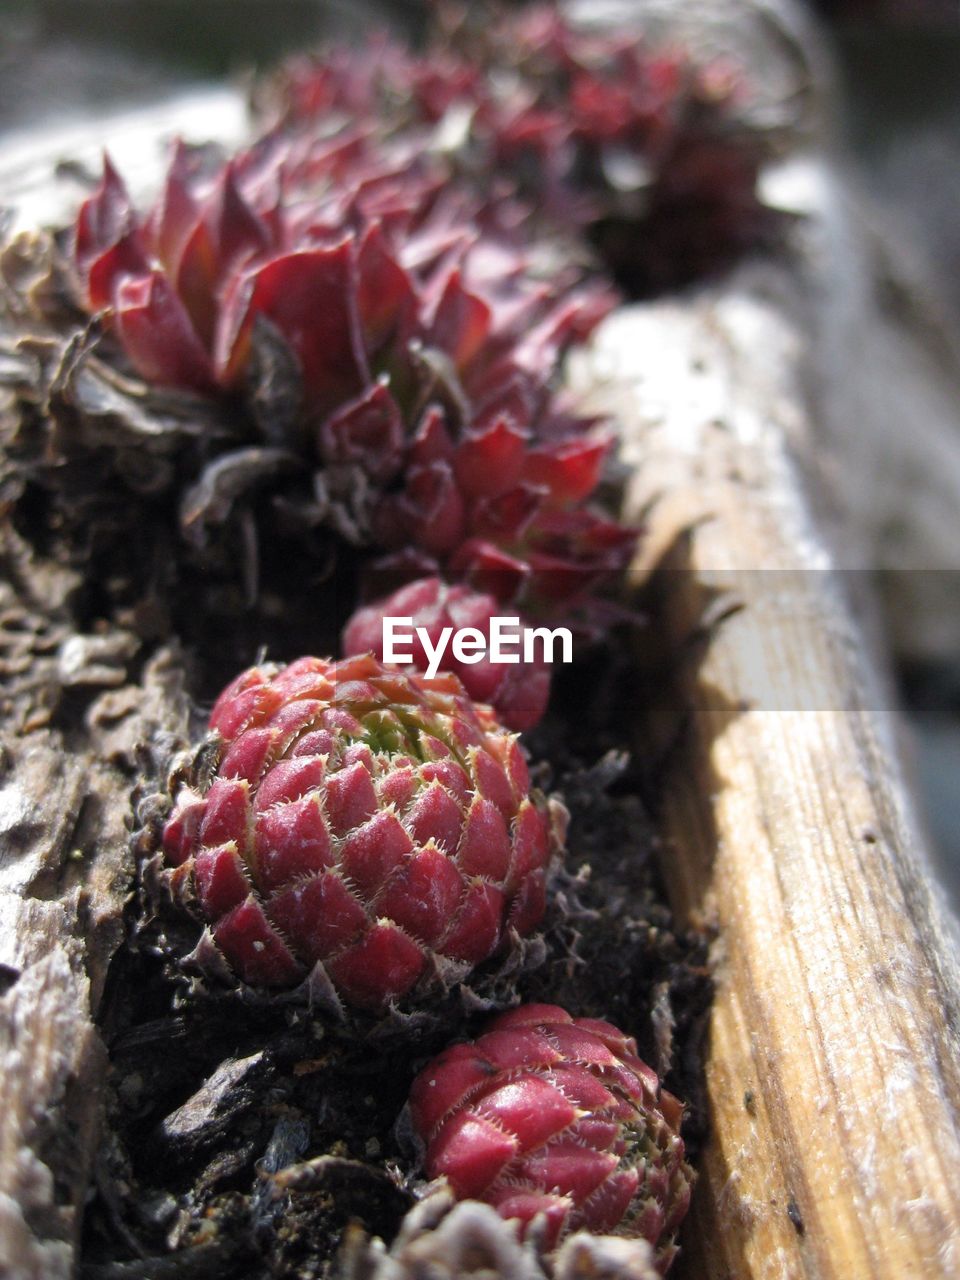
x=517 y=690
x=387 y=338
x=554 y=1119
x=379 y=79
x=370 y=829
x=643 y=147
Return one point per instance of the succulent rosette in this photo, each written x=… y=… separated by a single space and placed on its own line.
x=646 y=148
x=386 y=348
x=371 y=831
x=517 y=690
x=558 y=1124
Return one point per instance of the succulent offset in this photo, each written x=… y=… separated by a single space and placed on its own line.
x=554 y=1119
x=518 y=690
x=376 y=824
x=386 y=347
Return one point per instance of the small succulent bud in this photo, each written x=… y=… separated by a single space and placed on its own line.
x=518 y=691
x=555 y=1120
x=375 y=825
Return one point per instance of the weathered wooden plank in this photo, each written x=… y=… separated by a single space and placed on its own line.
x=66 y=773
x=44 y=172
x=65 y=867
x=834 y=1067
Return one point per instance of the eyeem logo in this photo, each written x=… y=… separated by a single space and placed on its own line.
x=507 y=642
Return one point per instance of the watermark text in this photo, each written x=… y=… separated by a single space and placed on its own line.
x=508 y=641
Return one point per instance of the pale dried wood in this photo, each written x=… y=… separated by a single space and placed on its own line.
x=833 y=1071
x=45 y=172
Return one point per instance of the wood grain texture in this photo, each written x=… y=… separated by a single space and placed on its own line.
x=834 y=1072
x=75 y=711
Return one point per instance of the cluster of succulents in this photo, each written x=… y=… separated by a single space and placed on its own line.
x=346 y=335
x=349 y=330
x=643 y=148
x=369 y=836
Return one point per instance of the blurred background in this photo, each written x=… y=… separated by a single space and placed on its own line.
x=899 y=65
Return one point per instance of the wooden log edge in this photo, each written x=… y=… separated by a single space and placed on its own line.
x=833 y=1069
